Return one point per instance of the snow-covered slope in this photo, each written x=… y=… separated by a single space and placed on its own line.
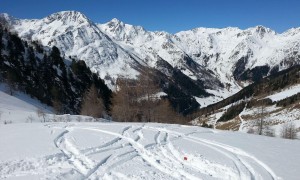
x=220 y=49
x=226 y=52
x=276 y=108
x=285 y=93
x=221 y=59
x=153 y=46
x=78 y=37
x=80 y=150
x=141 y=151
x=19 y=107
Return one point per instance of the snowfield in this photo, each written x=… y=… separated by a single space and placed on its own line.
x=285 y=93
x=141 y=151
x=108 y=150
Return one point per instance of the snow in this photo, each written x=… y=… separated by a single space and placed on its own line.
x=107 y=150
x=285 y=93
x=116 y=48
x=218 y=95
x=110 y=150
x=19 y=107
x=141 y=151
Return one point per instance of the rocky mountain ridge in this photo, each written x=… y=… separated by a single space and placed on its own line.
x=220 y=61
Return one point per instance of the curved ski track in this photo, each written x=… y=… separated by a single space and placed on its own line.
x=127 y=145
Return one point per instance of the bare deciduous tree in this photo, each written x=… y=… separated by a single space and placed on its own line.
x=54 y=119
x=260 y=122
x=125 y=100
x=78 y=118
x=137 y=100
x=147 y=91
x=57 y=106
x=41 y=113
x=262 y=128
x=92 y=104
x=10 y=82
x=288 y=131
x=30 y=118
x=68 y=118
x=164 y=113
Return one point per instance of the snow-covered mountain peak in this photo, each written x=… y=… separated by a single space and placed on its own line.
x=113 y=48
x=261 y=31
x=6 y=16
x=292 y=32
x=121 y=31
x=115 y=26
x=68 y=17
x=78 y=37
x=115 y=21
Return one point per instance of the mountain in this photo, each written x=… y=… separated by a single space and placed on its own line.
x=220 y=62
x=75 y=36
x=233 y=56
x=274 y=100
x=43 y=74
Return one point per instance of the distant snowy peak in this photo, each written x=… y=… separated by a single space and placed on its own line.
x=6 y=19
x=228 y=32
x=292 y=32
x=64 y=17
x=5 y=16
x=68 y=17
x=120 y=31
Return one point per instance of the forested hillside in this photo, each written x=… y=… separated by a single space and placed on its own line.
x=270 y=106
x=44 y=74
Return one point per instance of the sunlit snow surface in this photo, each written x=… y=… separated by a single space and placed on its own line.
x=141 y=151
x=108 y=150
x=285 y=93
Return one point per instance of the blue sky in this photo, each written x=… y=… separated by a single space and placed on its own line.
x=169 y=15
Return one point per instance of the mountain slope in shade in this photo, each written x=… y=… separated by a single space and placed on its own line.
x=222 y=60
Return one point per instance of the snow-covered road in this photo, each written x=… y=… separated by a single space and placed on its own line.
x=141 y=151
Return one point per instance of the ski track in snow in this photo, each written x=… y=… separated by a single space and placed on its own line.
x=239 y=155
x=126 y=146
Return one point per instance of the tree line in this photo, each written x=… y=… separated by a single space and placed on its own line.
x=71 y=87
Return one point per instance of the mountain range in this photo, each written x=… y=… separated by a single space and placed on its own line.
x=220 y=62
